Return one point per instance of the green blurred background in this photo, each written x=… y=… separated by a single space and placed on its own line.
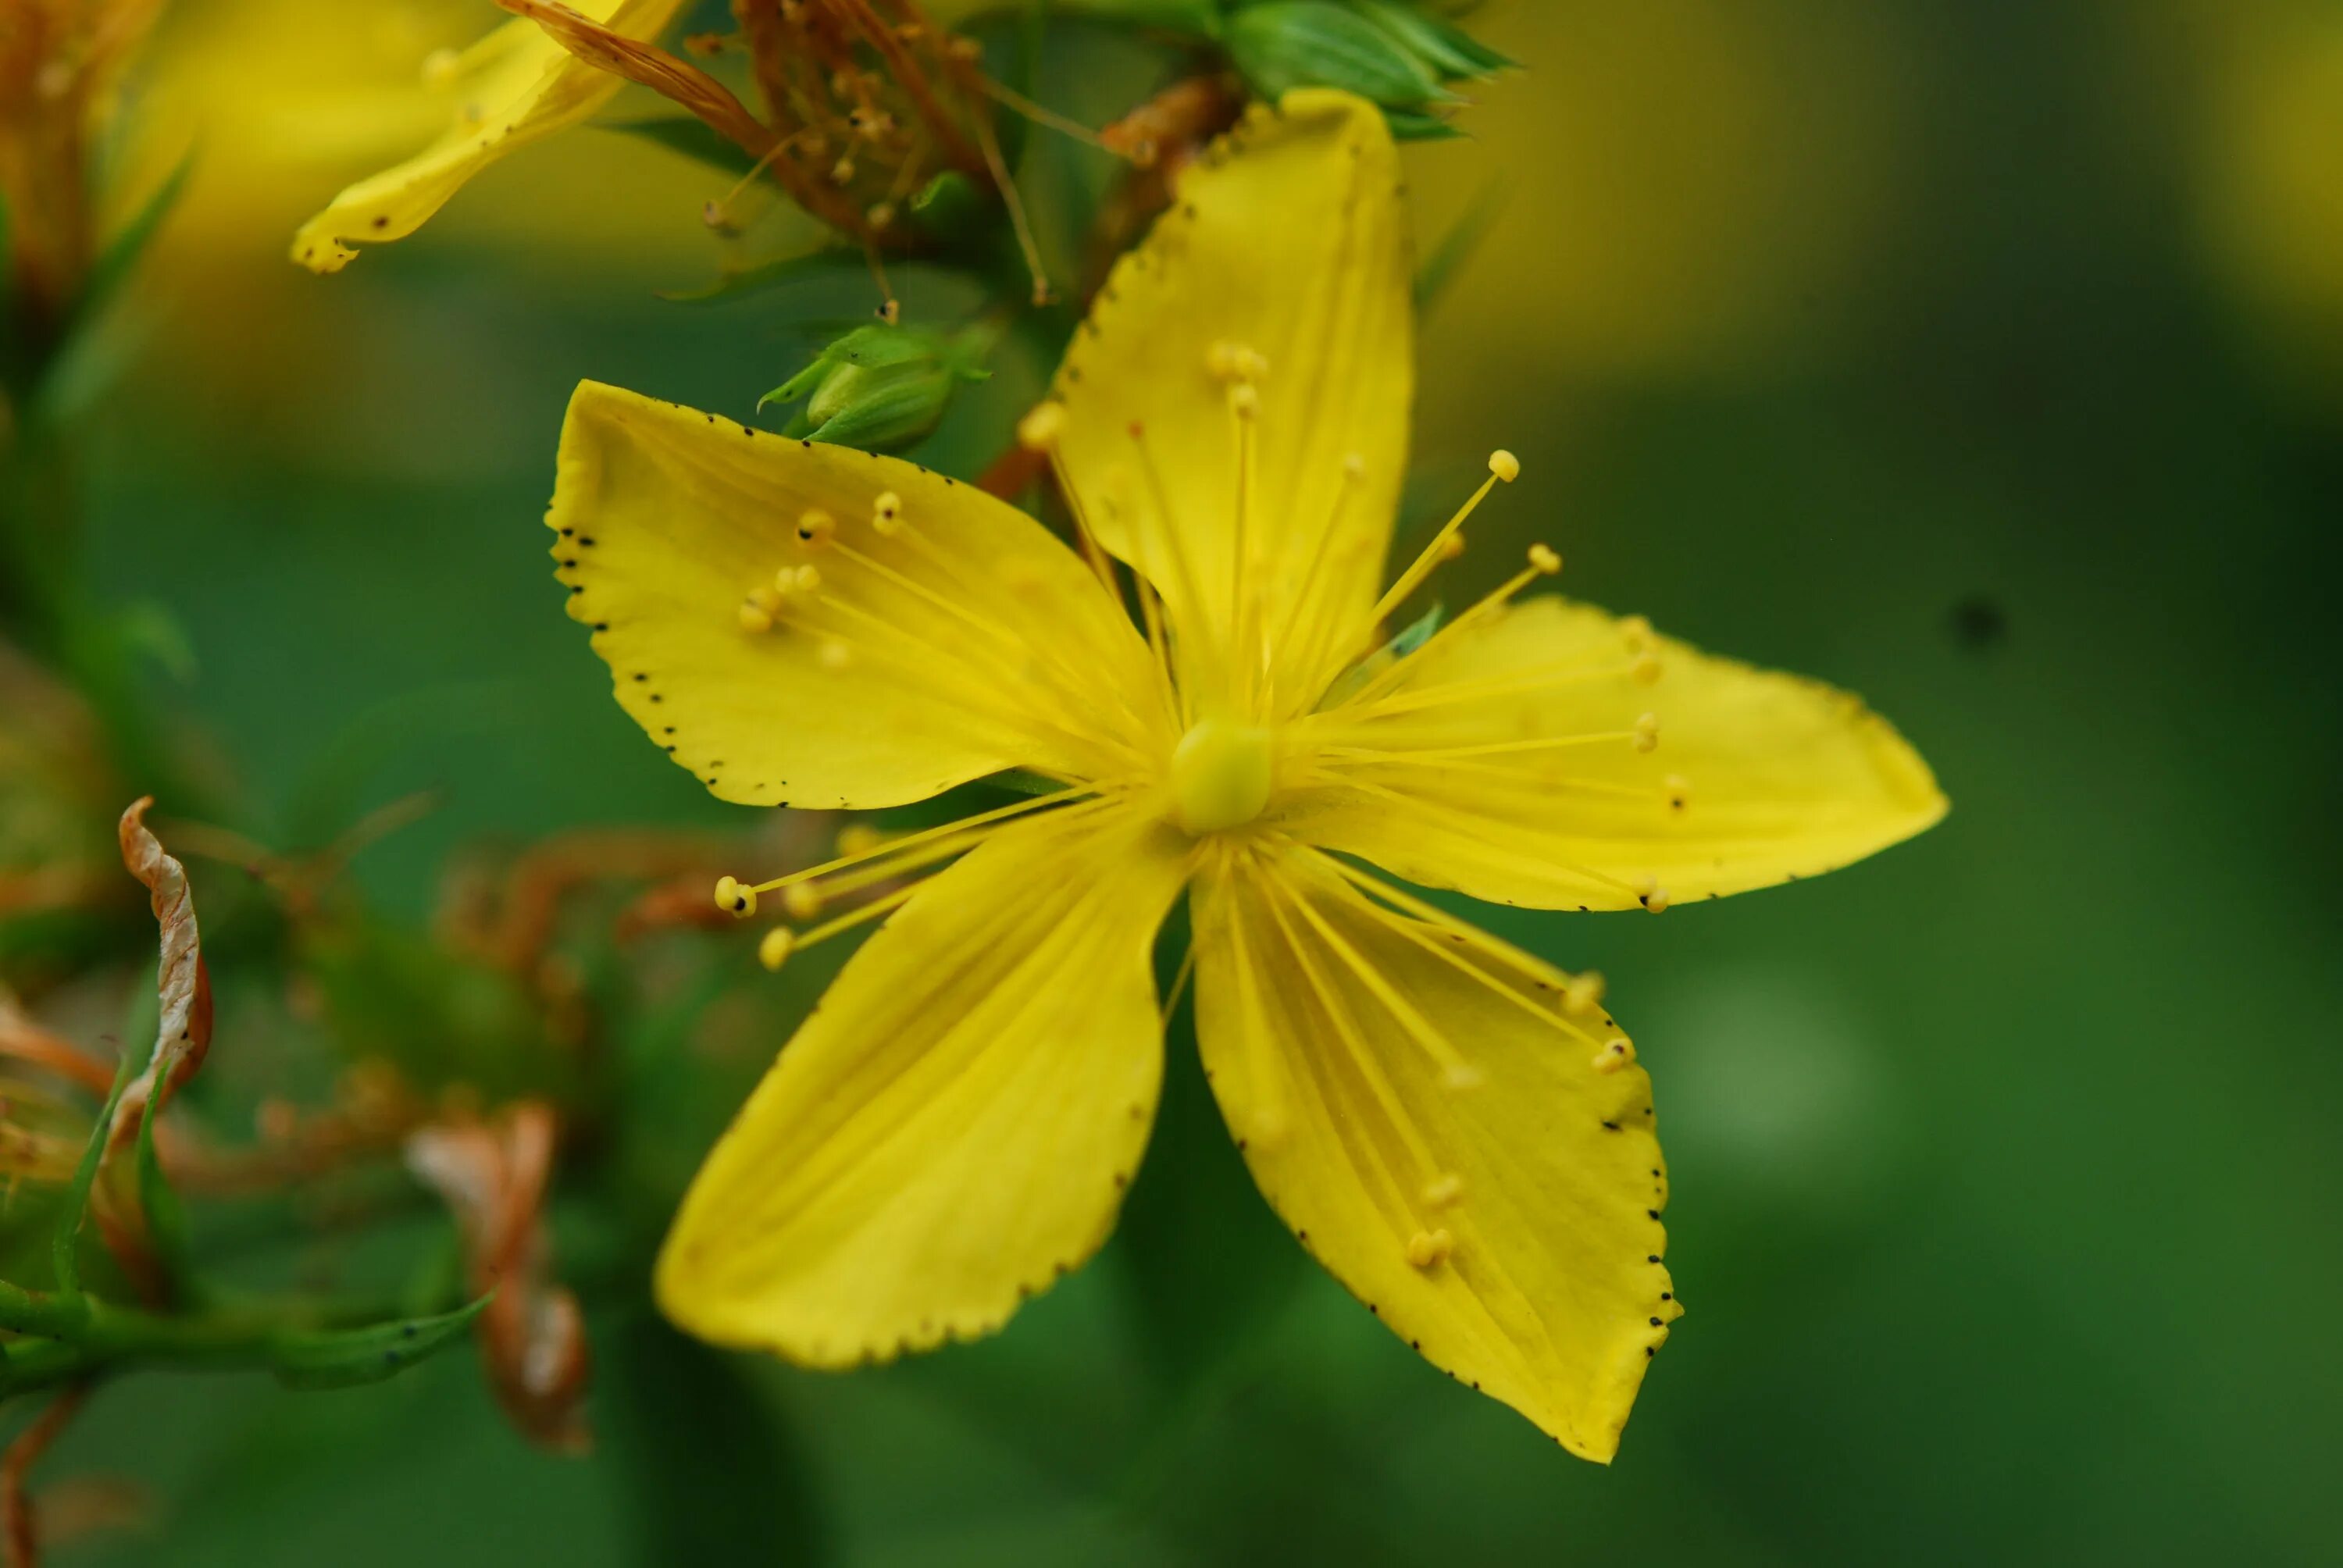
x=1983 y=356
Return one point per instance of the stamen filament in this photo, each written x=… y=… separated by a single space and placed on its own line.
x=1458 y=1073
x=910 y=840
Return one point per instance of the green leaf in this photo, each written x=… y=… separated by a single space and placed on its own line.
x=158 y=1202
x=348 y=1357
x=826 y=262
x=120 y=256
x=739 y=1491
x=1460 y=244
x=66 y=1249
x=688 y=135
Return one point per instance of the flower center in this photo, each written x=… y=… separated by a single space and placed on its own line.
x=1222 y=773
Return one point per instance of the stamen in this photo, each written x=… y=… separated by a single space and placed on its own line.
x=1455 y=1070
x=929 y=836
x=816 y=528
x=1444 y=1191
x=734 y=898
x=886 y=515
x=1427 y=1249
x=1544 y=562
x=1616 y=1054
x=1586 y=988
x=1647 y=733
x=1502 y=465
x=774 y=948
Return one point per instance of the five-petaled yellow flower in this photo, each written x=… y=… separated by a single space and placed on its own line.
x=1457 y=1131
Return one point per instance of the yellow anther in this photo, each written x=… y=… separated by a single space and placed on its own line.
x=1647 y=733
x=855 y=840
x=1652 y=895
x=774 y=947
x=842 y=171
x=887 y=514
x=1040 y=428
x=1245 y=401
x=1452 y=546
x=835 y=655
x=807 y=578
x=1545 y=559
x=1616 y=1053
x=754 y=618
x=882 y=215
x=815 y=527
x=1220 y=359
x=801 y=899
x=1444 y=1191
x=1505 y=466
x=891 y=311
x=1583 y=992
x=1429 y=1249
x=1679 y=789
x=1645 y=670
x=1636 y=632
x=785 y=587
x=735 y=898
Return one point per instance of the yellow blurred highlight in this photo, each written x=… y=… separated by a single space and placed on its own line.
x=1691 y=182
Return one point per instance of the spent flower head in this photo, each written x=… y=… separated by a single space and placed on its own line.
x=1458 y=1130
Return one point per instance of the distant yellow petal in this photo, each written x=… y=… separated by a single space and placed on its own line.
x=1509 y=1231
x=1507 y=770
x=954 y=1127
x=954 y=639
x=1288 y=245
x=515 y=86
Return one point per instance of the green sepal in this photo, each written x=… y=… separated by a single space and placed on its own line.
x=1447 y=50
x=1292 y=44
x=1408 y=125
x=880 y=388
x=346 y=1358
x=1412 y=636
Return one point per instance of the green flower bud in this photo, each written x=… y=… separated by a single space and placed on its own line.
x=880 y=388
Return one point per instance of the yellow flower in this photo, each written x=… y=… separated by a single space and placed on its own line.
x=1455 y=1129
x=512 y=87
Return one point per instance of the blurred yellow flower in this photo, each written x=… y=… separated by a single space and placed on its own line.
x=515 y=86
x=1457 y=1131
x=1683 y=179
x=2271 y=172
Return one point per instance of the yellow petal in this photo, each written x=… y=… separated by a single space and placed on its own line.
x=1501 y=763
x=515 y=86
x=1508 y=1231
x=960 y=641
x=953 y=1128
x=1289 y=244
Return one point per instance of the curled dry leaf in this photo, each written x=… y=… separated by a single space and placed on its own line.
x=532 y=1336
x=182 y=984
